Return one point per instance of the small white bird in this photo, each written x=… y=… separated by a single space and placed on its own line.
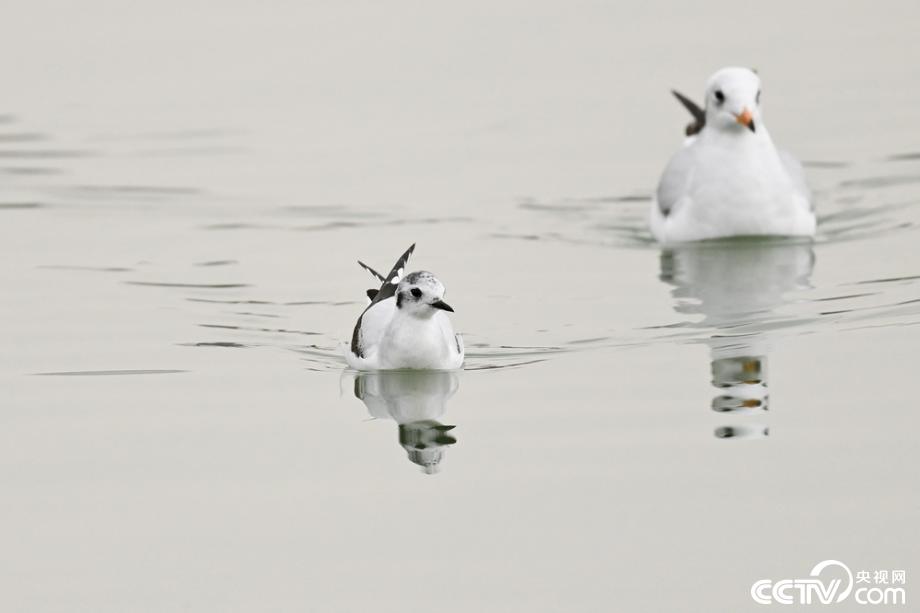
x=405 y=326
x=729 y=179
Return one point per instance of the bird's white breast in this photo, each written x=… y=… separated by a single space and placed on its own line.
x=733 y=186
x=412 y=342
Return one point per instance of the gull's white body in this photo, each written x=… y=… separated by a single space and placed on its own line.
x=730 y=181
x=395 y=340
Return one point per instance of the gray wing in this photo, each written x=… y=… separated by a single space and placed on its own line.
x=675 y=181
x=797 y=174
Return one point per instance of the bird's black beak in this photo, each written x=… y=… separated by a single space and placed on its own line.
x=440 y=304
x=751 y=126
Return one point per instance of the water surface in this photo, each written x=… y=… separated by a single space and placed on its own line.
x=183 y=198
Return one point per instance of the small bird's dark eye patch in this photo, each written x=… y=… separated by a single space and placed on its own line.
x=757 y=99
x=416 y=292
x=720 y=97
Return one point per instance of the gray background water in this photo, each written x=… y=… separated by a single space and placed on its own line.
x=185 y=188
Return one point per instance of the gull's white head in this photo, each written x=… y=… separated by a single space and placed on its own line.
x=733 y=100
x=421 y=294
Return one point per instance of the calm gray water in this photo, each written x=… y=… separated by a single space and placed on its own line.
x=184 y=192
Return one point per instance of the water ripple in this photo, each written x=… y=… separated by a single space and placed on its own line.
x=95 y=373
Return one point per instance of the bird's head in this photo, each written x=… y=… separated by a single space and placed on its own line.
x=421 y=294
x=733 y=101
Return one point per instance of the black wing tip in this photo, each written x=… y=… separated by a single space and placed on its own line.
x=699 y=115
x=690 y=105
x=404 y=258
x=389 y=282
x=373 y=272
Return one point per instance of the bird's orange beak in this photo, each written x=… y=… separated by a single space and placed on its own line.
x=746 y=119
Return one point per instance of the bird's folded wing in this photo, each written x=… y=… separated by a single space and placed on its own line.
x=362 y=336
x=796 y=174
x=371 y=326
x=675 y=181
x=454 y=342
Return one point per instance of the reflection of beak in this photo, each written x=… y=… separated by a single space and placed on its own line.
x=746 y=119
x=440 y=304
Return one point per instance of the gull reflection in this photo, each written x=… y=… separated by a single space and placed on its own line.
x=738 y=286
x=415 y=400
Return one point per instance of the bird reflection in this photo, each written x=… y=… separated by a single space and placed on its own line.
x=737 y=286
x=414 y=399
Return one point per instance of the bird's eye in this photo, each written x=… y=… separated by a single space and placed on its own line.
x=720 y=97
x=757 y=99
x=416 y=292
